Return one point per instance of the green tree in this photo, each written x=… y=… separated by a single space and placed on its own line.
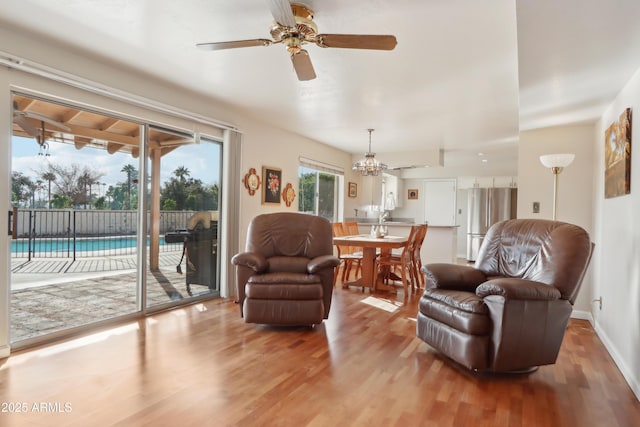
x=182 y=173
x=185 y=193
x=21 y=189
x=61 y=201
x=306 y=192
x=72 y=181
x=49 y=177
x=131 y=172
x=101 y=203
x=169 y=205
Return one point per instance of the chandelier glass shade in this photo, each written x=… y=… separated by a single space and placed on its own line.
x=369 y=166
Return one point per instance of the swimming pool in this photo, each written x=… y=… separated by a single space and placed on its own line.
x=66 y=245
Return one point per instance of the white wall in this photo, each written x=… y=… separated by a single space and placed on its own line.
x=616 y=266
x=614 y=273
x=575 y=186
x=264 y=145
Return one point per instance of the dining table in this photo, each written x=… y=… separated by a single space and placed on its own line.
x=370 y=246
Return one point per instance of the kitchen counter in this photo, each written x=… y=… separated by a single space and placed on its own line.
x=440 y=243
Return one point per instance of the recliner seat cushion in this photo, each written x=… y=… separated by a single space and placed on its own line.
x=288 y=291
x=469 y=350
x=285 y=278
x=461 y=310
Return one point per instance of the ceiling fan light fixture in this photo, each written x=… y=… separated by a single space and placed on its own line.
x=369 y=166
x=293 y=27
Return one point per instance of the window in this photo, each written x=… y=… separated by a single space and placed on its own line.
x=318 y=192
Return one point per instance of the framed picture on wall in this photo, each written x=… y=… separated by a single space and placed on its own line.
x=617 y=157
x=412 y=194
x=353 y=189
x=271 y=185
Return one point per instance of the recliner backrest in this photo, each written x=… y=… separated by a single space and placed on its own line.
x=550 y=252
x=289 y=234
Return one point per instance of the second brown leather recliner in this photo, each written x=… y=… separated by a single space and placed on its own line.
x=508 y=312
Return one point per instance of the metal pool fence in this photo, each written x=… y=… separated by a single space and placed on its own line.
x=68 y=233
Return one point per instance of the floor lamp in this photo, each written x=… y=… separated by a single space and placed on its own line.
x=556 y=162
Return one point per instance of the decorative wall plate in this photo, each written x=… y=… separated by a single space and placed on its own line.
x=288 y=194
x=251 y=181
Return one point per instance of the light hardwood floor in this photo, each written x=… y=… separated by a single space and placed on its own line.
x=203 y=366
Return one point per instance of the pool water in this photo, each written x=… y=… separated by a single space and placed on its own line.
x=81 y=244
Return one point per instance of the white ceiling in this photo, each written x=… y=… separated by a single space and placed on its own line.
x=465 y=77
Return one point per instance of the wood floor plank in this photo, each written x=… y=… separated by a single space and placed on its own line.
x=202 y=365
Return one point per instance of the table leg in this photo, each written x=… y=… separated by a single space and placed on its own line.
x=379 y=284
x=368 y=270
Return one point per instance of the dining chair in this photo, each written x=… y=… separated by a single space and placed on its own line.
x=352 y=229
x=390 y=263
x=347 y=256
x=416 y=259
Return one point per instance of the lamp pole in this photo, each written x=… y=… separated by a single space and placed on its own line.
x=556 y=170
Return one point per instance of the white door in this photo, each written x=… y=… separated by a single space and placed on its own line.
x=440 y=202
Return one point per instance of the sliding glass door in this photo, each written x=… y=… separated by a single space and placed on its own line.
x=110 y=218
x=73 y=218
x=183 y=212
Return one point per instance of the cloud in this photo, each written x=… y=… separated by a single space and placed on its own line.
x=202 y=160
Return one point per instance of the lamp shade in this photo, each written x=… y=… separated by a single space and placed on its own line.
x=557 y=160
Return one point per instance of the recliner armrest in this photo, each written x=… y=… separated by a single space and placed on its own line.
x=452 y=276
x=518 y=289
x=253 y=260
x=322 y=262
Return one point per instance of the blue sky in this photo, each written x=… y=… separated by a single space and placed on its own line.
x=202 y=160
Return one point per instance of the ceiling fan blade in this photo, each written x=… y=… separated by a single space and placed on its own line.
x=45 y=119
x=26 y=125
x=357 y=41
x=282 y=13
x=303 y=66
x=234 y=44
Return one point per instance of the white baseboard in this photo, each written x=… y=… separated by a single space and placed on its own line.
x=5 y=351
x=627 y=373
x=583 y=315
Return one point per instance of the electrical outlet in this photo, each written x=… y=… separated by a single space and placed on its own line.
x=536 y=207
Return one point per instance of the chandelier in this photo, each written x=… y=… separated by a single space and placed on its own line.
x=369 y=165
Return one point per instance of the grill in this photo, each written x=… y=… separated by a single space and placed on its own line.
x=200 y=240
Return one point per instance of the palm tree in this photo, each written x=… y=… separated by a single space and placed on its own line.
x=49 y=177
x=181 y=173
x=83 y=181
x=130 y=170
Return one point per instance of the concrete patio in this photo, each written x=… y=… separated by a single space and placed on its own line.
x=51 y=295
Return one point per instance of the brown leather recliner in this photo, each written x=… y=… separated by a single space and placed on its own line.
x=508 y=312
x=285 y=275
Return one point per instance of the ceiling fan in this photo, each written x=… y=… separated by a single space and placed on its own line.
x=22 y=119
x=25 y=119
x=294 y=27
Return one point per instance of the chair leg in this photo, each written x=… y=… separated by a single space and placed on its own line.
x=346 y=271
x=405 y=285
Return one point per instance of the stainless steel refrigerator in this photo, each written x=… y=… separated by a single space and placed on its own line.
x=486 y=206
